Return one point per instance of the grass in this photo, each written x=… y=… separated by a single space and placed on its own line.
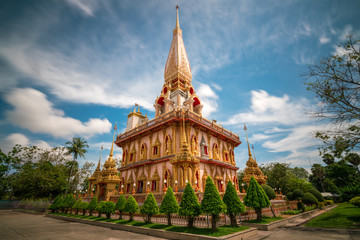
x=265 y=220
x=221 y=231
x=295 y=212
x=343 y=216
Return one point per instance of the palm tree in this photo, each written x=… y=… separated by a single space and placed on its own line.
x=77 y=148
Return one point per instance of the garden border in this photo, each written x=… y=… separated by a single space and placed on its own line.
x=249 y=233
x=282 y=222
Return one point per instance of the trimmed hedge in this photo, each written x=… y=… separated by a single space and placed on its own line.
x=131 y=206
x=317 y=194
x=233 y=203
x=92 y=205
x=149 y=207
x=309 y=199
x=355 y=201
x=169 y=205
x=120 y=205
x=256 y=198
x=189 y=205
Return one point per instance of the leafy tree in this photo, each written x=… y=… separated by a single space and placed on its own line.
x=318 y=176
x=120 y=205
x=169 y=205
x=69 y=201
x=92 y=205
x=212 y=203
x=233 y=203
x=131 y=206
x=290 y=196
x=330 y=186
x=317 y=194
x=76 y=206
x=270 y=193
x=189 y=205
x=83 y=207
x=350 y=191
x=300 y=172
x=56 y=203
x=355 y=201
x=256 y=198
x=108 y=208
x=150 y=207
x=100 y=208
x=335 y=81
x=77 y=148
x=309 y=199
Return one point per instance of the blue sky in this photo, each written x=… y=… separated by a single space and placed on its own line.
x=74 y=68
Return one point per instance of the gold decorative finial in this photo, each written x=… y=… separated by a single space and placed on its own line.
x=247 y=140
x=253 y=150
x=177 y=17
x=112 y=144
x=98 y=166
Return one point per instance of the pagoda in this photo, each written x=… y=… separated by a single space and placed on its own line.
x=179 y=145
x=252 y=169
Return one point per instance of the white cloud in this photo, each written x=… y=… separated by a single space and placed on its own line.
x=18 y=138
x=266 y=108
x=34 y=112
x=208 y=98
x=87 y=6
x=324 y=39
x=259 y=137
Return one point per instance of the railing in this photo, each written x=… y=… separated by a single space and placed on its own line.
x=177 y=114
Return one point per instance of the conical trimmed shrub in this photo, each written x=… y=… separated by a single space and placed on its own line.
x=76 y=206
x=92 y=205
x=212 y=203
x=120 y=205
x=189 y=205
x=233 y=203
x=150 y=207
x=256 y=198
x=131 y=206
x=169 y=205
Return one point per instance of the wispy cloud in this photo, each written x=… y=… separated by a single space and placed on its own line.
x=86 y=6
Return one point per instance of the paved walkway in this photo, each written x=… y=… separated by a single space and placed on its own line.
x=15 y=225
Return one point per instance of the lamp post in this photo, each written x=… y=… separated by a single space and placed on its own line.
x=148 y=187
x=222 y=182
x=176 y=190
x=196 y=185
x=280 y=191
x=134 y=188
x=165 y=185
x=275 y=189
x=243 y=189
x=122 y=186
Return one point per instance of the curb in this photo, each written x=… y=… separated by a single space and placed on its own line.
x=246 y=234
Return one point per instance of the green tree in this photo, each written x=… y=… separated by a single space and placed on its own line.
x=309 y=199
x=300 y=172
x=317 y=176
x=256 y=198
x=69 y=201
x=120 y=205
x=335 y=81
x=76 y=206
x=233 y=203
x=317 y=194
x=108 y=208
x=55 y=204
x=77 y=148
x=169 y=205
x=270 y=193
x=131 y=206
x=100 y=208
x=150 y=207
x=189 y=205
x=212 y=203
x=92 y=205
x=83 y=207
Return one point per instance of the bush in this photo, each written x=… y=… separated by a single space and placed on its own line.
x=256 y=198
x=108 y=208
x=120 y=204
x=233 y=203
x=92 y=205
x=349 y=192
x=99 y=208
x=189 y=205
x=355 y=201
x=320 y=205
x=169 y=205
x=300 y=206
x=309 y=199
x=83 y=207
x=131 y=206
x=290 y=196
x=76 y=206
x=317 y=194
x=55 y=206
x=150 y=207
x=212 y=203
x=69 y=201
x=329 y=202
x=269 y=191
x=297 y=194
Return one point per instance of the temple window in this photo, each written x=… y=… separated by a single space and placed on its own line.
x=140 y=186
x=205 y=150
x=153 y=186
x=155 y=150
x=131 y=157
x=128 y=188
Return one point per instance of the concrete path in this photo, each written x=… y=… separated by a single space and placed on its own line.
x=15 y=225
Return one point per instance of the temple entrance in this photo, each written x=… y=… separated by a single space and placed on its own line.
x=140 y=187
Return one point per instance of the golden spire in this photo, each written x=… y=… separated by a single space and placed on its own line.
x=112 y=144
x=247 y=140
x=184 y=141
x=177 y=17
x=98 y=166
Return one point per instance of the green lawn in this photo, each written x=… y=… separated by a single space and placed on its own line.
x=265 y=220
x=343 y=216
x=221 y=231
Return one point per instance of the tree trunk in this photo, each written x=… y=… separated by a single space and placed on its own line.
x=233 y=220
x=99 y=214
x=131 y=217
x=120 y=214
x=213 y=221
x=169 y=219
x=108 y=215
x=190 y=222
x=84 y=211
x=272 y=210
x=76 y=211
x=258 y=214
x=90 y=212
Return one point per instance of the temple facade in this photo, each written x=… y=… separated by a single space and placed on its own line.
x=178 y=146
